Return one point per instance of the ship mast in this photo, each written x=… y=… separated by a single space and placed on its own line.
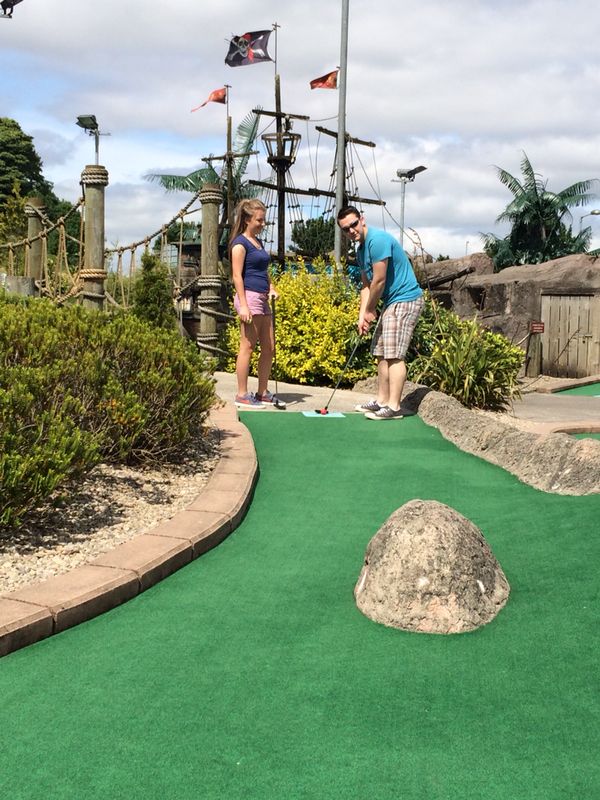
x=341 y=134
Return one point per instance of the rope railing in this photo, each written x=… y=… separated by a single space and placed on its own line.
x=132 y=248
x=52 y=275
x=164 y=228
x=47 y=230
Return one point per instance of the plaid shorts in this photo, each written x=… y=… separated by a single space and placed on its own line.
x=395 y=329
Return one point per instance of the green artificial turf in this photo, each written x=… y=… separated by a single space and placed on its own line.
x=251 y=674
x=589 y=390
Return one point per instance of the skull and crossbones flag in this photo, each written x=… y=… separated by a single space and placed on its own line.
x=250 y=48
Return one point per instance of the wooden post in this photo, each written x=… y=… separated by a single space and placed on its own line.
x=93 y=179
x=34 y=206
x=209 y=281
x=533 y=355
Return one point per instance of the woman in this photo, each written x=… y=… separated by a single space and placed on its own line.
x=253 y=290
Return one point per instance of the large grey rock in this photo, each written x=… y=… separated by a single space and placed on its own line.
x=429 y=569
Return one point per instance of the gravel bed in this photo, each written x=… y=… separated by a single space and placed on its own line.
x=109 y=506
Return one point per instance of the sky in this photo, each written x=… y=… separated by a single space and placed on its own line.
x=461 y=88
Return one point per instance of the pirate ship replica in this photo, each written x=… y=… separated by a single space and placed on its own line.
x=282 y=198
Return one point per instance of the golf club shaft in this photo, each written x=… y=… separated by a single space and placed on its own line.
x=274 y=346
x=349 y=362
x=343 y=372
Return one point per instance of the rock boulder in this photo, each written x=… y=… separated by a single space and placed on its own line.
x=429 y=569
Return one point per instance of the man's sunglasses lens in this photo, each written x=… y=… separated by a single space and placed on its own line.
x=349 y=227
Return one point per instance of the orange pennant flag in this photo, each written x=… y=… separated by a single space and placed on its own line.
x=218 y=96
x=328 y=81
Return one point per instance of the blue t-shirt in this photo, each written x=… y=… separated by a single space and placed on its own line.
x=255 y=272
x=400 y=282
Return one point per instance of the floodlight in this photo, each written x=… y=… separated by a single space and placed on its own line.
x=87 y=122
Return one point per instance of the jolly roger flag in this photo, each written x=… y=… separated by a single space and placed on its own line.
x=250 y=48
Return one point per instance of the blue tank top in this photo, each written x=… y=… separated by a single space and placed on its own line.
x=255 y=271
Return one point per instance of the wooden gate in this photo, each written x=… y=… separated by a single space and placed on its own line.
x=571 y=338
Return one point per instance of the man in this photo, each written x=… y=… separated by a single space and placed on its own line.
x=387 y=275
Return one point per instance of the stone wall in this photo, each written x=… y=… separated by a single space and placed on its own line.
x=507 y=301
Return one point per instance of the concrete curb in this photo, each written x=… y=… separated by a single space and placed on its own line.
x=35 y=612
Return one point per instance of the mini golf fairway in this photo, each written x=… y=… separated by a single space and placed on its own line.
x=589 y=390
x=250 y=673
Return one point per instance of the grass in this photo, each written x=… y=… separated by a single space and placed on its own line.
x=251 y=674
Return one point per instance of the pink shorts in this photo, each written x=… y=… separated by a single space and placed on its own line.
x=258 y=303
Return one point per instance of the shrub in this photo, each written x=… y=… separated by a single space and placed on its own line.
x=92 y=387
x=153 y=294
x=316 y=316
x=41 y=447
x=463 y=359
x=157 y=395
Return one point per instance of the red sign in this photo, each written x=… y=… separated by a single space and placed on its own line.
x=536 y=327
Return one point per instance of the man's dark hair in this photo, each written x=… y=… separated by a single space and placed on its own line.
x=343 y=212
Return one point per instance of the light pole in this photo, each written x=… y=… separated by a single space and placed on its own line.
x=88 y=123
x=592 y=213
x=405 y=176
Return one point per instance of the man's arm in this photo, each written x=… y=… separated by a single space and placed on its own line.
x=370 y=295
x=377 y=285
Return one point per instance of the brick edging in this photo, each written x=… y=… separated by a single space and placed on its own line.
x=34 y=612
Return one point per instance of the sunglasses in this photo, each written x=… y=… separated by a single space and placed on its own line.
x=349 y=227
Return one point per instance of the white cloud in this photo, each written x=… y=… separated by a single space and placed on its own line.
x=458 y=87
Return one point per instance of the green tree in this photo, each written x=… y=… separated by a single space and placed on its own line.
x=21 y=176
x=313 y=237
x=13 y=223
x=187 y=231
x=153 y=294
x=13 y=228
x=20 y=162
x=541 y=220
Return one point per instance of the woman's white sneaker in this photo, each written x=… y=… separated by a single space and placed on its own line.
x=385 y=412
x=370 y=405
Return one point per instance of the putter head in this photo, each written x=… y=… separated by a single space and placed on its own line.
x=321 y=411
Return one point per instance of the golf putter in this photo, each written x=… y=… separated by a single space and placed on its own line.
x=279 y=404
x=325 y=409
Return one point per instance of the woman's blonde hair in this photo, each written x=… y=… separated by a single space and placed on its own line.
x=244 y=211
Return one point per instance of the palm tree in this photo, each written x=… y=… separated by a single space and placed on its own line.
x=244 y=139
x=541 y=220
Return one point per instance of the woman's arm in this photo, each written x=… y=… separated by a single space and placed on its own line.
x=238 y=256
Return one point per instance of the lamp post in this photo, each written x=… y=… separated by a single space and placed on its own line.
x=88 y=123
x=94 y=180
x=281 y=154
x=594 y=212
x=405 y=176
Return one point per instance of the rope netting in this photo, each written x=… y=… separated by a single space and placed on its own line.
x=310 y=218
